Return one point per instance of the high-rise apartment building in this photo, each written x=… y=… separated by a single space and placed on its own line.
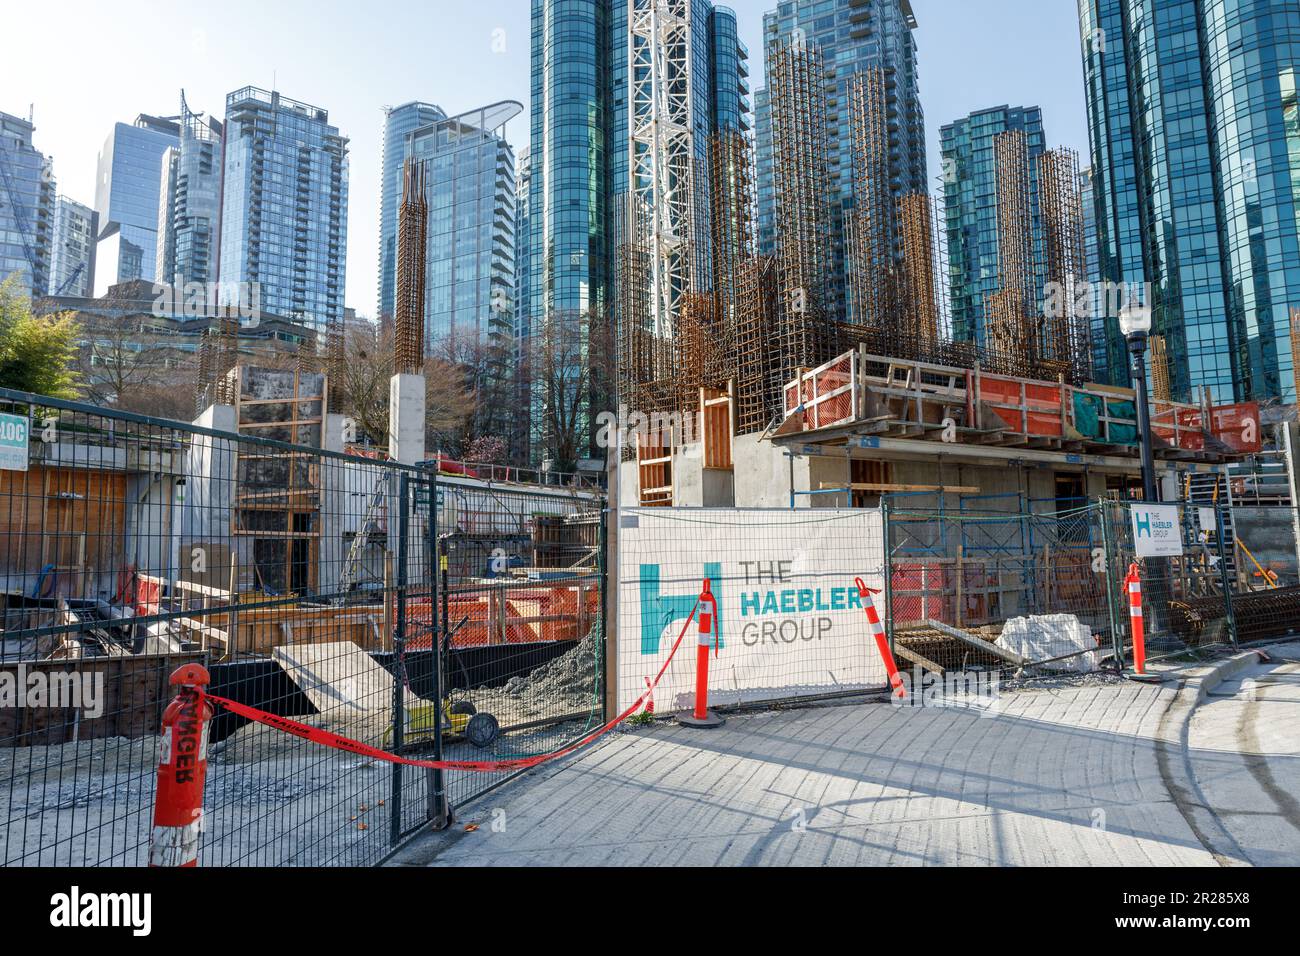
x=470 y=257
x=852 y=36
x=27 y=201
x=970 y=193
x=284 y=207
x=399 y=123
x=189 y=207
x=72 y=249
x=126 y=199
x=1194 y=125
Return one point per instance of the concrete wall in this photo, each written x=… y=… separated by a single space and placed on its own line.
x=209 y=493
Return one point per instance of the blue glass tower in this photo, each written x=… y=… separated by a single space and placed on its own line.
x=470 y=257
x=399 y=123
x=284 y=206
x=1192 y=110
x=970 y=192
x=581 y=148
x=127 y=192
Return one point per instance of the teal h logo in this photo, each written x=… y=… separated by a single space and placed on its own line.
x=659 y=610
x=1142 y=524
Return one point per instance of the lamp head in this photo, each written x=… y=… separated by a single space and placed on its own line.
x=1135 y=320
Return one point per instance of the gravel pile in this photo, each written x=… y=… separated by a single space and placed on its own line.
x=567 y=685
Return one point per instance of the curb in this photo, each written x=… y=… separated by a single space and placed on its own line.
x=1173 y=755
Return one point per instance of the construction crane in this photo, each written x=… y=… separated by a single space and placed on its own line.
x=67 y=283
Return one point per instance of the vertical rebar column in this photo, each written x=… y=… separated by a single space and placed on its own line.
x=732 y=226
x=1067 y=335
x=1010 y=331
x=919 y=297
x=873 y=220
x=412 y=238
x=801 y=167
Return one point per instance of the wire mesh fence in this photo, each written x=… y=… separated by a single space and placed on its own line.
x=998 y=583
x=419 y=613
x=1034 y=588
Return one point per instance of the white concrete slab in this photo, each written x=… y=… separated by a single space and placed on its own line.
x=339 y=678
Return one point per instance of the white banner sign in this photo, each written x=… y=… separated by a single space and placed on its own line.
x=791 y=622
x=1156 y=532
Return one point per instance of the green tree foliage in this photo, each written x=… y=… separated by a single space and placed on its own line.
x=36 y=352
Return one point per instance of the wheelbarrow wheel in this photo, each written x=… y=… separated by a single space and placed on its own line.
x=482 y=730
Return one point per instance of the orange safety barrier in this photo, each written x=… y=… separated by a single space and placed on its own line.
x=182 y=770
x=517 y=616
x=882 y=641
x=1025 y=407
x=1133 y=585
x=701 y=716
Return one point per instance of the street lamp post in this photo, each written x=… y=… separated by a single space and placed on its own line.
x=1135 y=324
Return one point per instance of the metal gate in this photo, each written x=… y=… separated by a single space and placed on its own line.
x=378 y=601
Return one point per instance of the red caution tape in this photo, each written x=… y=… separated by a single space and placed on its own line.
x=338 y=742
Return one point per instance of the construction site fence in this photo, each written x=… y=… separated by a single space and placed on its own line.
x=440 y=616
x=1038 y=588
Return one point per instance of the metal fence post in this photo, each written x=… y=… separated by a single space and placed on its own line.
x=399 y=653
x=602 y=577
x=1108 y=561
x=1220 y=533
x=888 y=570
x=439 y=812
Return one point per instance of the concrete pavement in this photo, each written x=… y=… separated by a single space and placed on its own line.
x=1244 y=746
x=1094 y=773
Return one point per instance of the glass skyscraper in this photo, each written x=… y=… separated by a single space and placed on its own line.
x=27 y=198
x=470 y=258
x=1195 y=138
x=189 y=207
x=126 y=199
x=970 y=195
x=284 y=206
x=399 y=123
x=852 y=36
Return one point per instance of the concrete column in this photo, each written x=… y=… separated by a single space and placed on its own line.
x=406 y=419
x=209 y=497
x=406 y=445
x=334 y=502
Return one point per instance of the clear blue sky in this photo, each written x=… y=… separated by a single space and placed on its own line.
x=86 y=64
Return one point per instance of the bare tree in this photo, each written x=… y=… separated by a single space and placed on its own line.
x=488 y=368
x=568 y=371
x=125 y=362
x=364 y=389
